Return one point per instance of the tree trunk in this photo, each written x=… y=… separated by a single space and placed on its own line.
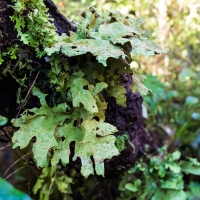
x=127 y=120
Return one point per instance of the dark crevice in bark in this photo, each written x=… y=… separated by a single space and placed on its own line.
x=60 y=22
x=7 y=32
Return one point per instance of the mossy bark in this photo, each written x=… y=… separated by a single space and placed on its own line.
x=128 y=120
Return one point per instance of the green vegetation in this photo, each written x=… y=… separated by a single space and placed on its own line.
x=72 y=116
x=160 y=177
x=101 y=48
x=3 y=120
x=9 y=192
x=120 y=142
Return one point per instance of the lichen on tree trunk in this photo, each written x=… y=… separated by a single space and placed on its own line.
x=128 y=119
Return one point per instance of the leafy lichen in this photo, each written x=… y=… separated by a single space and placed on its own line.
x=102 y=47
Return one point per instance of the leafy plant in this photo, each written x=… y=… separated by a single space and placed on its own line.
x=193 y=192
x=178 y=72
x=94 y=35
x=75 y=110
x=48 y=179
x=160 y=178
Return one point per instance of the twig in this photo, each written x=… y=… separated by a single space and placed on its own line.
x=5 y=146
x=33 y=168
x=29 y=91
x=15 y=172
x=29 y=183
x=52 y=182
x=15 y=163
x=6 y=134
x=32 y=165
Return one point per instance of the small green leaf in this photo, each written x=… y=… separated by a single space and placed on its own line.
x=145 y=47
x=99 y=87
x=173 y=182
x=1 y=59
x=8 y=192
x=161 y=171
x=196 y=116
x=63 y=183
x=101 y=148
x=172 y=94
x=118 y=92
x=3 y=120
x=80 y=95
x=175 y=195
x=169 y=195
x=156 y=86
x=137 y=85
x=173 y=167
x=176 y=155
x=194 y=191
x=191 y=100
x=133 y=187
x=192 y=166
x=42 y=125
x=120 y=142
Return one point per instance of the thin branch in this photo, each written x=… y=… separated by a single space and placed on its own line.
x=15 y=172
x=29 y=182
x=15 y=163
x=28 y=93
x=52 y=182
x=5 y=146
x=6 y=134
x=34 y=167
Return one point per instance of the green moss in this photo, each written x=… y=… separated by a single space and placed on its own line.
x=120 y=141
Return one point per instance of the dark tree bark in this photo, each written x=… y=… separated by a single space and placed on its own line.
x=8 y=37
x=7 y=33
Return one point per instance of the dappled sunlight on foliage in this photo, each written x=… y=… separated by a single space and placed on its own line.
x=112 y=101
x=174 y=108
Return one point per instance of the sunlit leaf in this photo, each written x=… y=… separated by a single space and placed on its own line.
x=192 y=166
x=102 y=49
x=80 y=95
x=137 y=85
x=133 y=187
x=92 y=138
x=191 y=100
x=41 y=125
x=3 y=120
x=196 y=116
x=145 y=47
